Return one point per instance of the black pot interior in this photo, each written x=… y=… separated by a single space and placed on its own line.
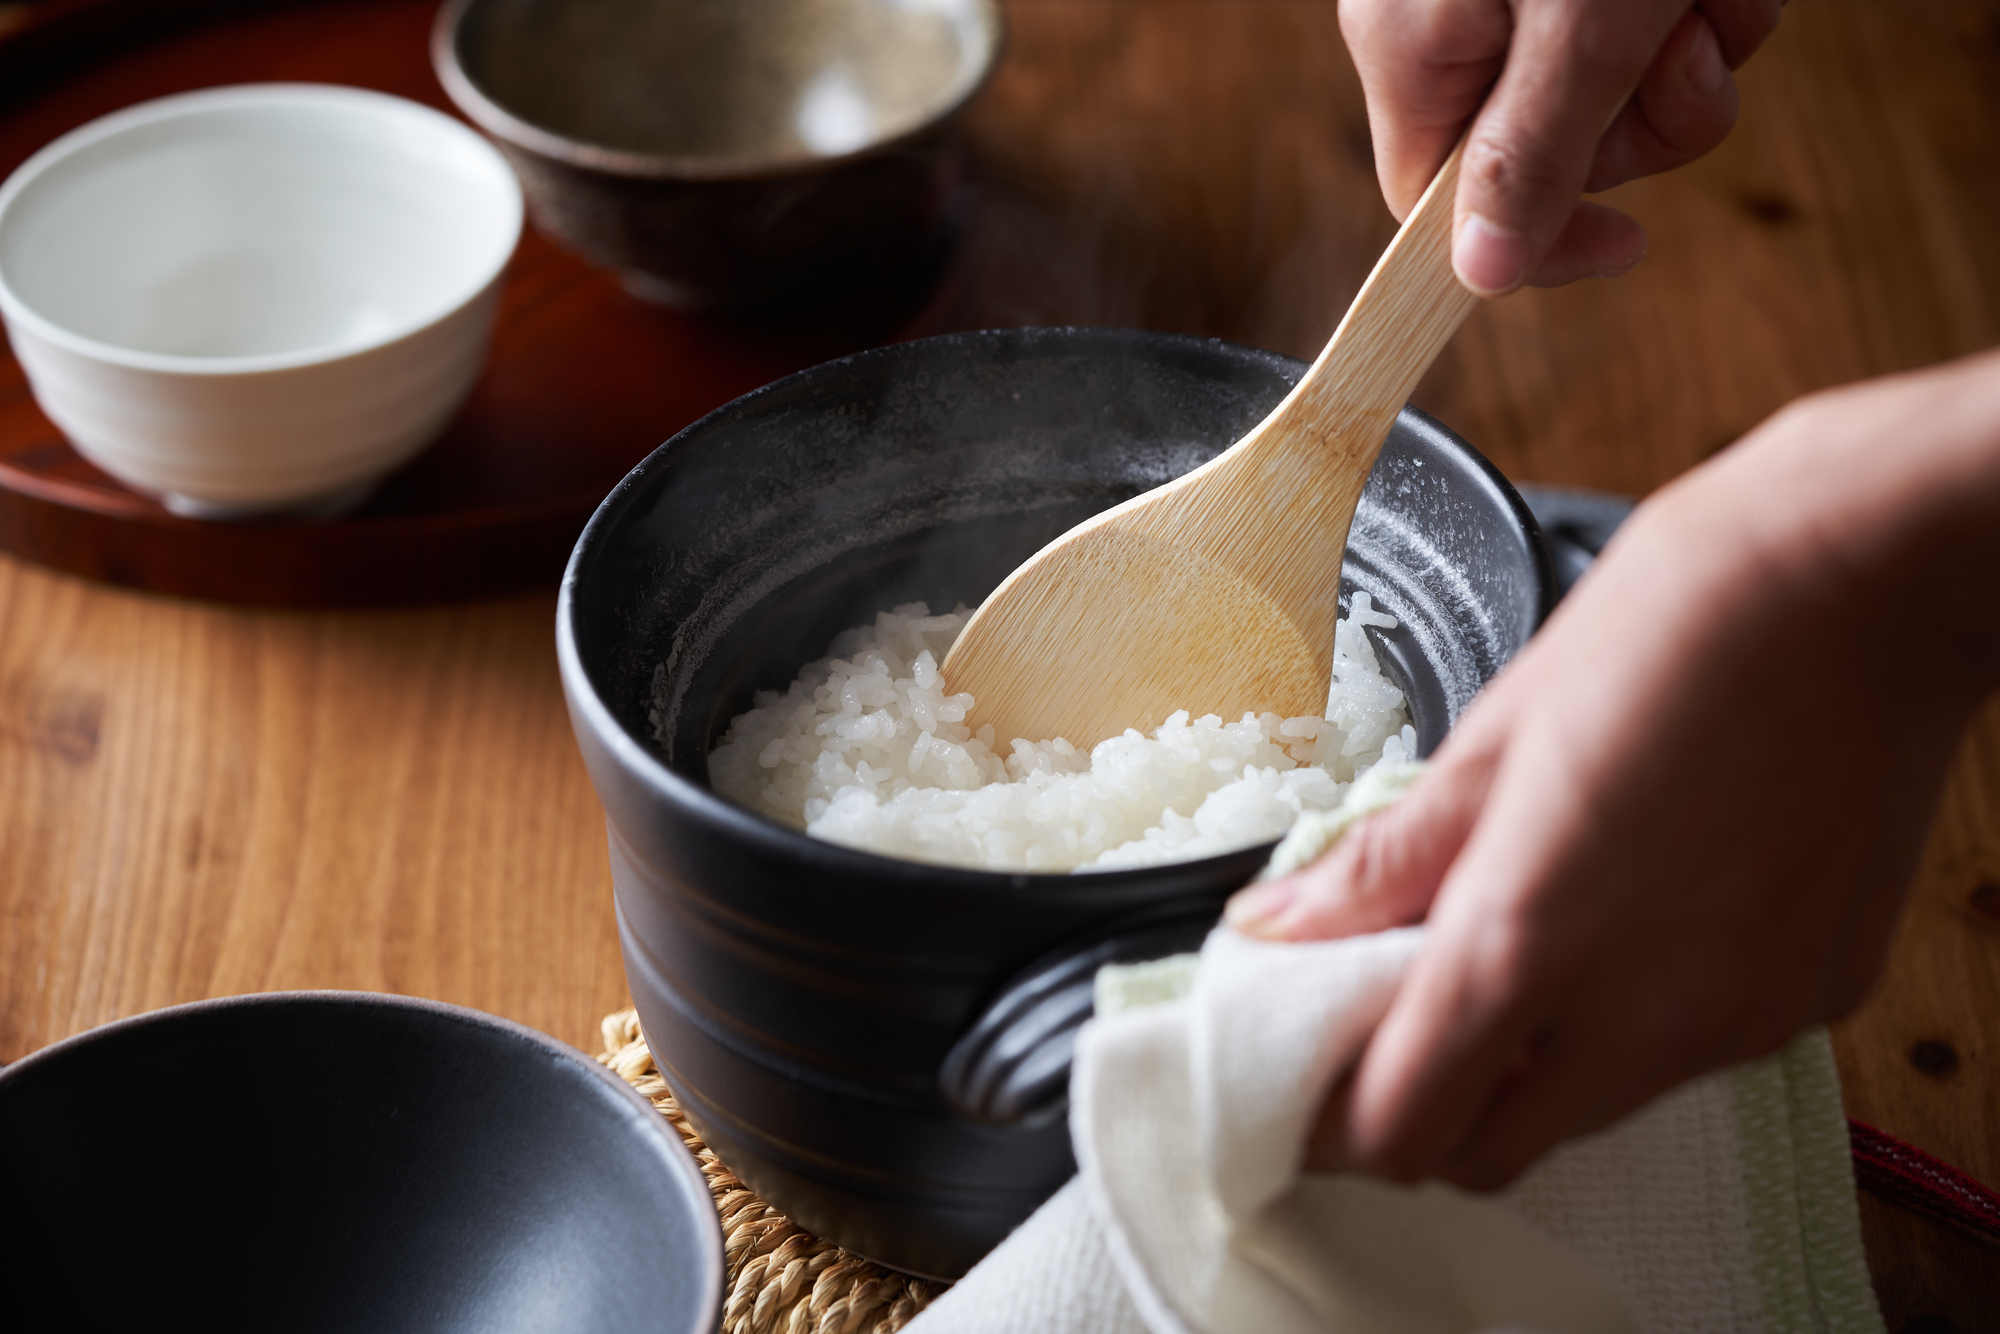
x=343 y=1162
x=928 y=471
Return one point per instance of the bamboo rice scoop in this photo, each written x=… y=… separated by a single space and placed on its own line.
x=1217 y=593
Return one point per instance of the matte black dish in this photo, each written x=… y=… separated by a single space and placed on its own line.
x=727 y=152
x=344 y=1161
x=803 y=999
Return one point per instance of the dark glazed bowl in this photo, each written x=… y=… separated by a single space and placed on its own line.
x=879 y=1046
x=727 y=152
x=344 y=1161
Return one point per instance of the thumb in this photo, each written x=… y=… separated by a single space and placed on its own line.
x=1382 y=873
x=1530 y=149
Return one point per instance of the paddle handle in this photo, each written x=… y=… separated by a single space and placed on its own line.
x=1409 y=308
x=1310 y=458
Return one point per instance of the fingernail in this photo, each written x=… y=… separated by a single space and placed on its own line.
x=1705 y=66
x=1490 y=260
x=1255 y=911
x=1622 y=267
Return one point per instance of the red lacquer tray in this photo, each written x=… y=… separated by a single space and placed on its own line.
x=582 y=383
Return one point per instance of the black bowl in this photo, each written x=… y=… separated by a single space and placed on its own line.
x=343 y=1161
x=879 y=1046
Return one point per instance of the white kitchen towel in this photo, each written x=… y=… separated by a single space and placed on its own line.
x=1727 y=1205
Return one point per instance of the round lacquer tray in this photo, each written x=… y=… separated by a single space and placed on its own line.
x=582 y=383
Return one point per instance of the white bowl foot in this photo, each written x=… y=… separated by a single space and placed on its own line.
x=335 y=505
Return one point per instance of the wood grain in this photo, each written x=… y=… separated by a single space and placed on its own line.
x=200 y=801
x=197 y=800
x=1921 y=1057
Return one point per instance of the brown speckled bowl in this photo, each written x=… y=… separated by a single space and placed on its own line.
x=726 y=152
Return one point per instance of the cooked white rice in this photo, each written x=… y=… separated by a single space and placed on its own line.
x=866 y=749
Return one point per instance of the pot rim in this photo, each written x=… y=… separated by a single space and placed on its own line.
x=772 y=839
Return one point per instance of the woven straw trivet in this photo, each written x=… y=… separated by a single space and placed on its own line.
x=781 y=1278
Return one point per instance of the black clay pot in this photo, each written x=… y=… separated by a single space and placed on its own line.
x=879 y=1046
x=342 y=1161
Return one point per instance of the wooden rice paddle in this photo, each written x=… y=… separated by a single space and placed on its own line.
x=1217 y=592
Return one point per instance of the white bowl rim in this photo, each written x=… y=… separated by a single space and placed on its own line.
x=19 y=313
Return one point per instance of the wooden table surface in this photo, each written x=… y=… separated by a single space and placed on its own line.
x=198 y=800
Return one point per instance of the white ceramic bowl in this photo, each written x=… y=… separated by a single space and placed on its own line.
x=259 y=298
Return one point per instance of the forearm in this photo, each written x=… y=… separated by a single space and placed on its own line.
x=1732 y=733
x=1882 y=496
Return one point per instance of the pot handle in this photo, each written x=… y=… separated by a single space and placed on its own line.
x=1577 y=525
x=1012 y=1066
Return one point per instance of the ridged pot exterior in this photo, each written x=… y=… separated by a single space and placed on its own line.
x=801 y=1012
x=801 y=997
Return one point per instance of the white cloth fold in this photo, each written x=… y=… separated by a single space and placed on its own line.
x=1727 y=1205
x=1189 y=1121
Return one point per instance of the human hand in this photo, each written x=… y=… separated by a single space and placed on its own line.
x=1564 y=97
x=1678 y=827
